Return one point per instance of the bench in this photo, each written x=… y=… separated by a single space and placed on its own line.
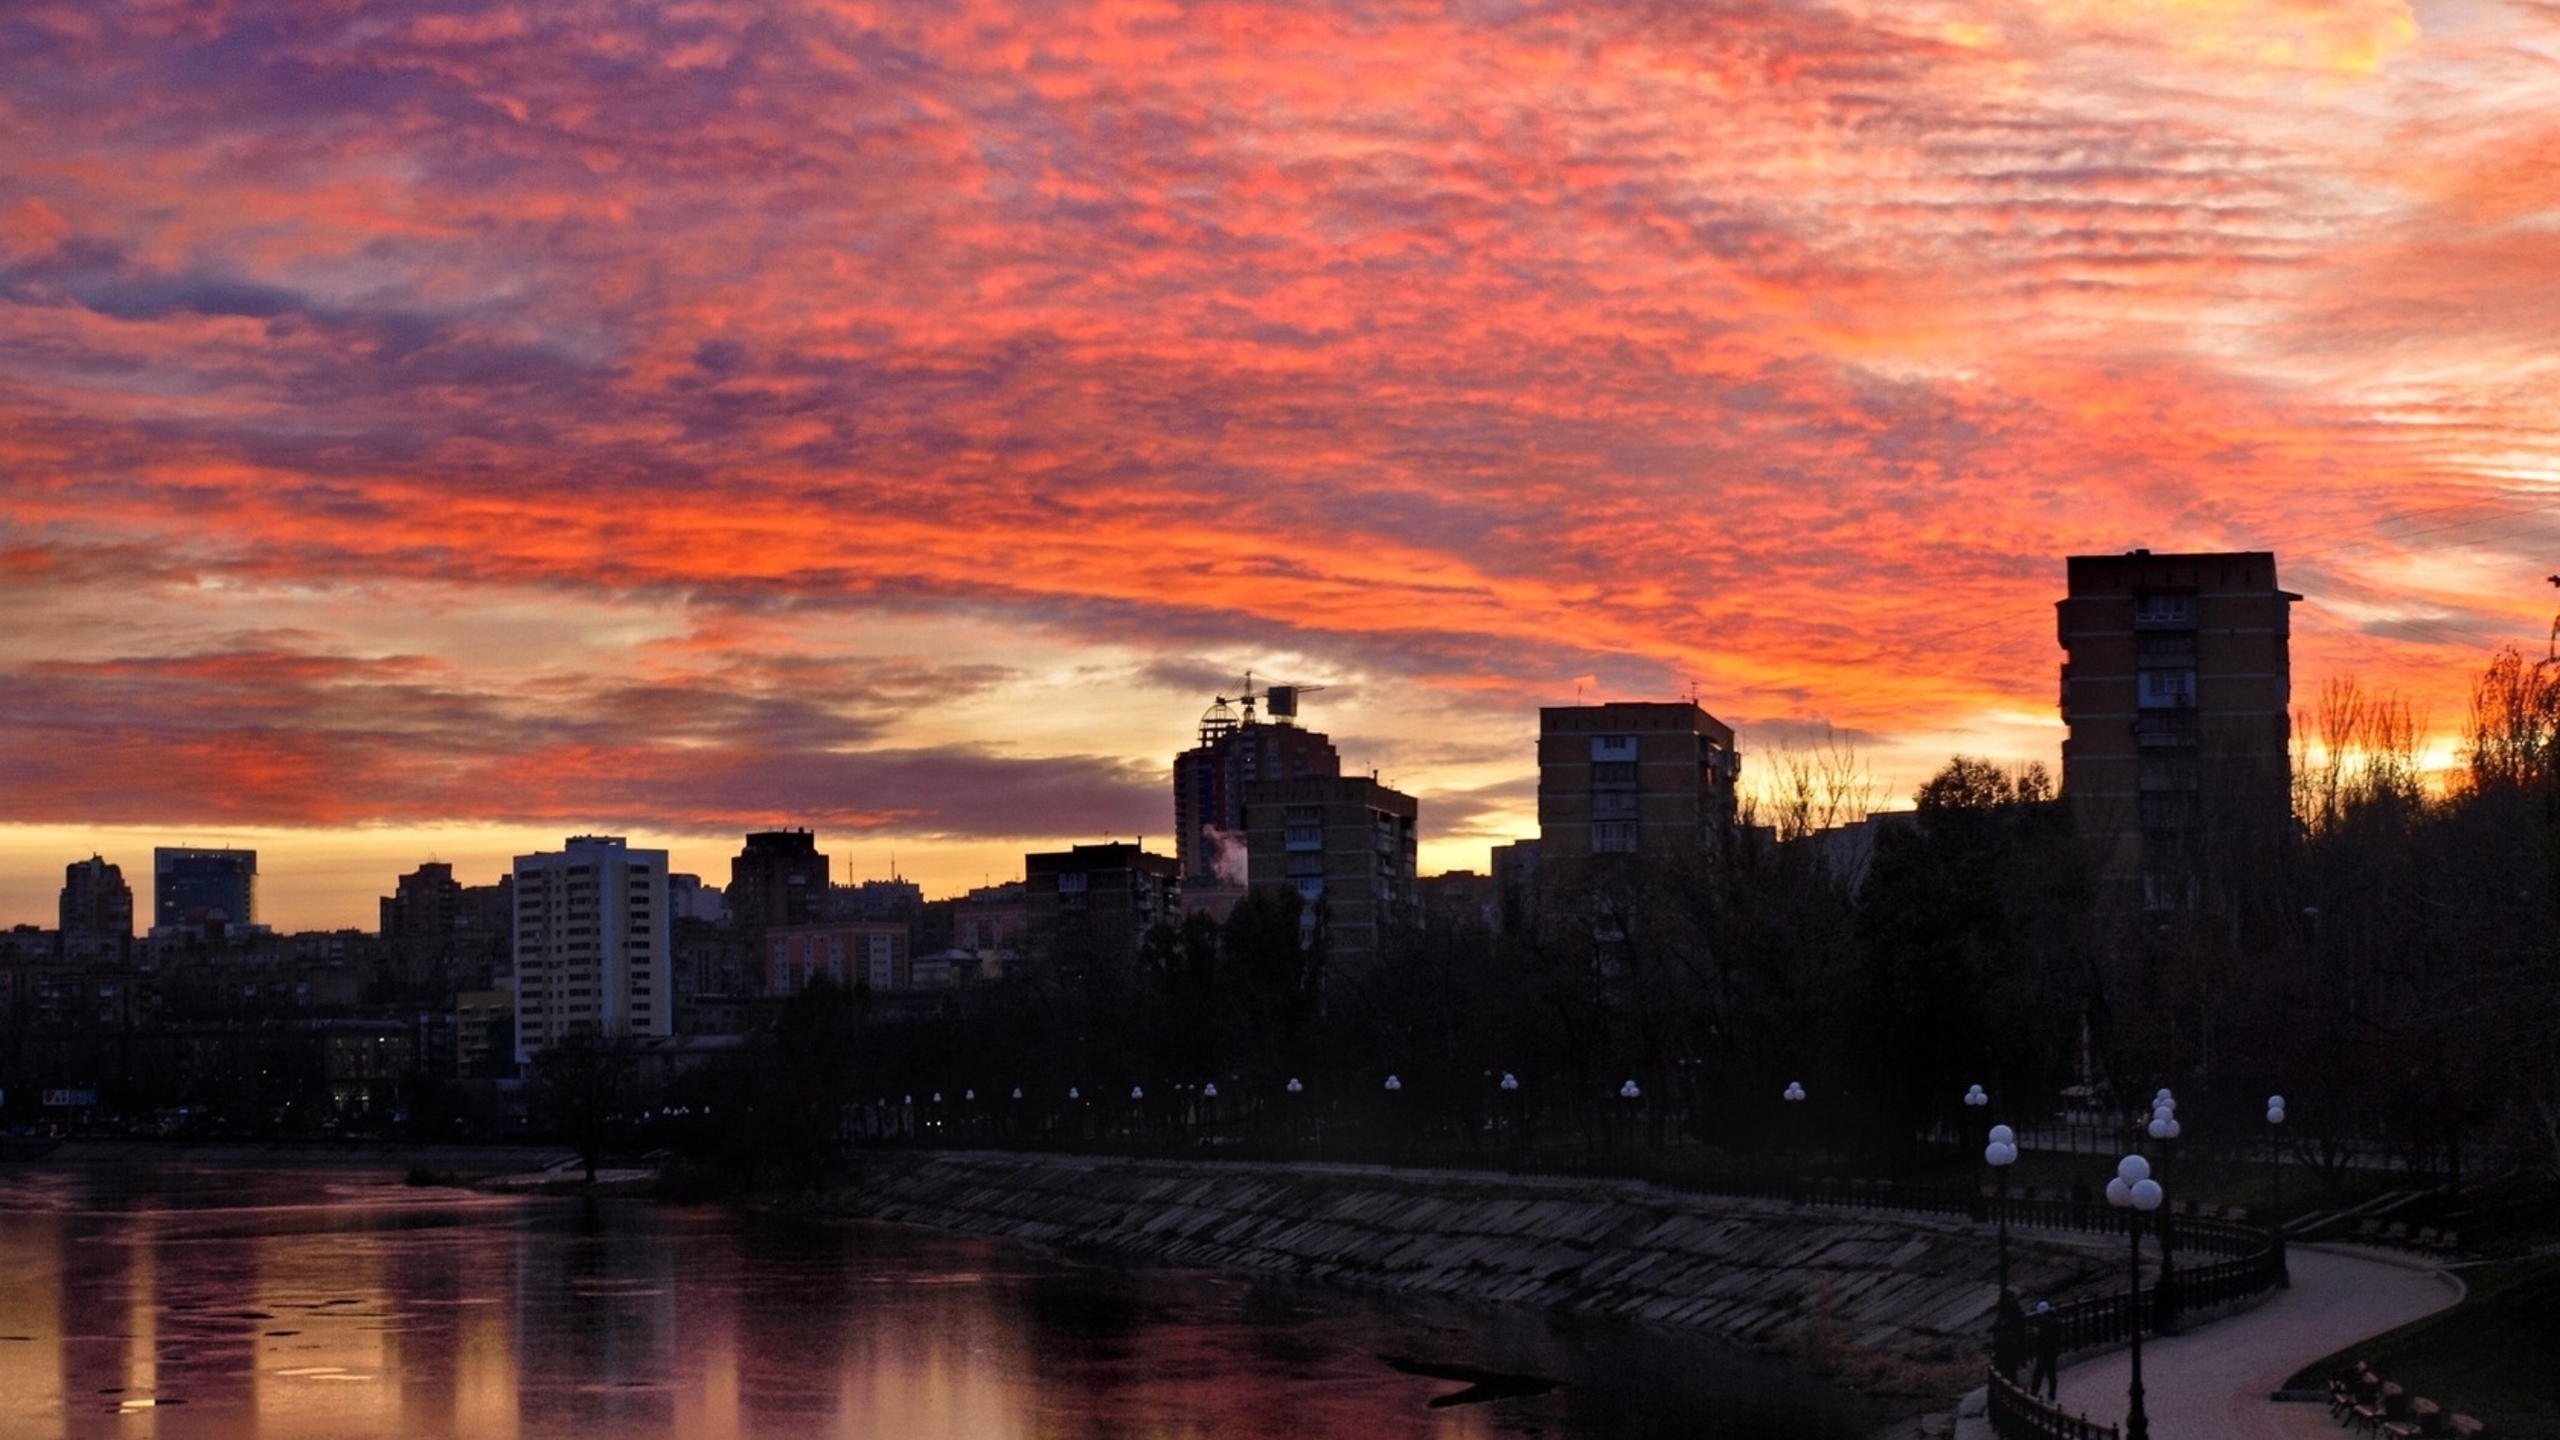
x=2348 y=1389
x=2390 y=1403
x=2425 y=1418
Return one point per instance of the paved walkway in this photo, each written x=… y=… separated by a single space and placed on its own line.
x=2213 y=1382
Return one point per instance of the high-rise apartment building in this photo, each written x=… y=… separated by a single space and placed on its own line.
x=1633 y=778
x=2177 y=688
x=1095 y=903
x=1346 y=845
x=196 y=887
x=1238 y=748
x=592 y=943
x=426 y=903
x=780 y=878
x=96 y=912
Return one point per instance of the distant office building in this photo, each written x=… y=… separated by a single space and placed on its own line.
x=693 y=900
x=990 y=918
x=487 y=909
x=1238 y=748
x=1460 y=899
x=895 y=898
x=592 y=943
x=1095 y=903
x=1633 y=778
x=96 y=912
x=1346 y=845
x=878 y=955
x=426 y=902
x=195 y=887
x=2177 y=687
x=780 y=878
x=484 y=1034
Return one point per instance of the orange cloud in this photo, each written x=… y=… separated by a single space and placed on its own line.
x=661 y=358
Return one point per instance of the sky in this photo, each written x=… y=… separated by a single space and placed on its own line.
x=428 y=430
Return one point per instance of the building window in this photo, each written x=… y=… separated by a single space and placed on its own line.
x=1613 y=748
x=1613 y=772
x=2168 y=689
x=1613 y=837
x=1071 y=882
x=1613 y=805
x=2164 y=612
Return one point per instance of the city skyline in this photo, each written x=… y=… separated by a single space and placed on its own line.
x=428 y=433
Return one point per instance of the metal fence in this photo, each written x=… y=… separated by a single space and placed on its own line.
x=2017 y=1415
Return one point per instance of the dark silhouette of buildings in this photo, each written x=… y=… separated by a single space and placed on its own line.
x=780 y=878
x=1095 y=903
x=2177 y=688
x=1346 y=845
x=1633 y=778
x=200 y=887
x=1238 y=748
x=96 y=913
x=425 y=903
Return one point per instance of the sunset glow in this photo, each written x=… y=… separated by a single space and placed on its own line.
x=429 y=430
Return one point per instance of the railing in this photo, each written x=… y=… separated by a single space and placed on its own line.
x=2017 y=1415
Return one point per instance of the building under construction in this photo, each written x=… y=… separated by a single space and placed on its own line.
x=1247 y=740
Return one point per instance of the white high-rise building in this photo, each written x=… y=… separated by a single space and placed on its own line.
x=592 y=943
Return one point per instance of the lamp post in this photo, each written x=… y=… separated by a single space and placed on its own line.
x=2135 y=1192
x=1631 y=1093
x=1510 y=1086
x=2275 y=1152
x=1975 y=1098
x=2275 y=1163
x=2009 y=1322
x=2000 y=1154
x=1794 y=1096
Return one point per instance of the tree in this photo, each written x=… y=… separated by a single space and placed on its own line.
x=588 y=1082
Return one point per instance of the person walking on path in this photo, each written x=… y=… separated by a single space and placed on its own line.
x=2048 y=1352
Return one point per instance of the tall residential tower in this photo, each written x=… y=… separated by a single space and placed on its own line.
x=2176 y=688
x=1633 y=778
x=1237 y=749
x=592 y=943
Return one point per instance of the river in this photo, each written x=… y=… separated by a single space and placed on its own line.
x=141 y=1300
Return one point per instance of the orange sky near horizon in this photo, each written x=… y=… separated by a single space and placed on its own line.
x=434 y=429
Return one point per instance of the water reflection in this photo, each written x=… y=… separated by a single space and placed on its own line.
x=298 y=1305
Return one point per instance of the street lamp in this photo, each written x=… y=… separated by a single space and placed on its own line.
x=2000 y=1154
x=1793 y=1095
x=2275 y=1151
x=2008 y=1322
x=2135 y=1191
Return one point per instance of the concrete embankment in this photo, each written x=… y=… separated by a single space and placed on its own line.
x=1821 y=1284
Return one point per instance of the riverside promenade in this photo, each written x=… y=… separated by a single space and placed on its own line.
x=2214 y=1382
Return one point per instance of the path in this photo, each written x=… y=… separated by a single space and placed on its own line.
x=2213 y=1382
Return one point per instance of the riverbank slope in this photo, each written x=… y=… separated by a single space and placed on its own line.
x=1884 y=1303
